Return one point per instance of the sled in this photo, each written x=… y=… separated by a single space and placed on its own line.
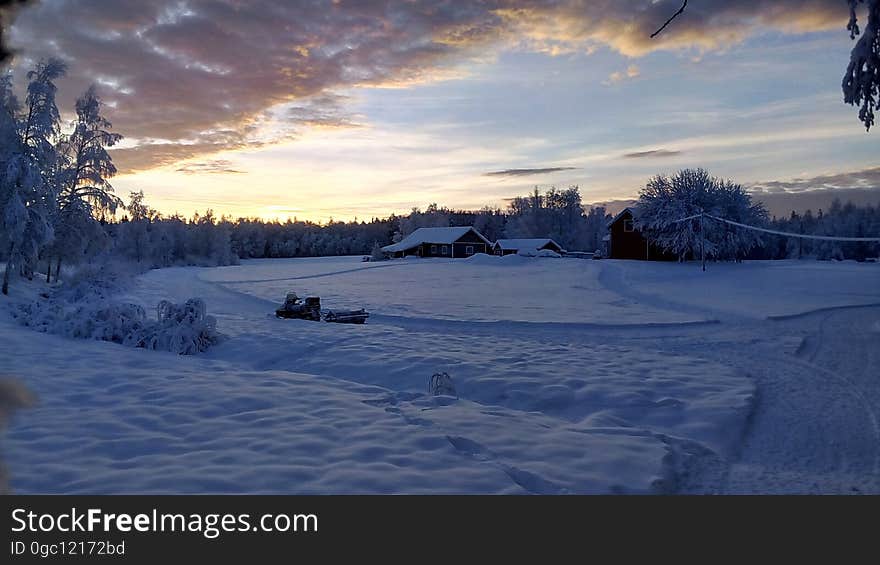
x=347 y=316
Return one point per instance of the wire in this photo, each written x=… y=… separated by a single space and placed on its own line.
x=694 y=217
x=789 y=234
x=777 y=232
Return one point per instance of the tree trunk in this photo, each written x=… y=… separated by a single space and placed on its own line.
x=58 y=268
x=6 y=271
x=48 y=270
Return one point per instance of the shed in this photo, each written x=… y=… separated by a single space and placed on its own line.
x=533 y=245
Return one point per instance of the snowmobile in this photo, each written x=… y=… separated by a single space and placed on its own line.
x=311 y=310
x=293 y=308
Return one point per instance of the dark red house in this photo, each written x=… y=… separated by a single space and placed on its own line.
x=452 y=242
x=624 y=241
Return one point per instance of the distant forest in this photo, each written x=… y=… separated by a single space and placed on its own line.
x=145 y=236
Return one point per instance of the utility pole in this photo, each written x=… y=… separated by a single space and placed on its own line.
x=702 y=242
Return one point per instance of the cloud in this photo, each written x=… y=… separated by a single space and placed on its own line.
x=203 y=76
x=861 y=187
x=783 y=203
x=862 y=179
x=814 y=193
x=323 y=111
x=653 y=153
x=619 y=76
x=626 y=26
x=221 y=166
x=526 y=172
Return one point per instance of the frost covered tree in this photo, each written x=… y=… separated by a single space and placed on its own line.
x=490 y=222
x=665 y=201
x=137 y=208
x=596 y=228
x=82 y=186
x=377 y=254
x=861 y=82
x=133 y=237
x=557 y=214
x=26 y=191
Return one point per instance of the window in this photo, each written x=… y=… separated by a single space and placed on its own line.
x=433 y=250
x=469 y=250
x=628 y=226
x=445 y=250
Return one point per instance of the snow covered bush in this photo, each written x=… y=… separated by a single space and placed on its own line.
x=116 y=322
x=185 y=329
x=84 y=310
x=103 y=321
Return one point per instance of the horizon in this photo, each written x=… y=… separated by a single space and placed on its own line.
x=469 y=108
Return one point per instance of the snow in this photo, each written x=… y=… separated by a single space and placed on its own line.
x=532 y=244
x=483 y=288
x=571 y=376
x=754 y=290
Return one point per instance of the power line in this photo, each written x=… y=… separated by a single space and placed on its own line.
x=789 y=234
x=782 y=233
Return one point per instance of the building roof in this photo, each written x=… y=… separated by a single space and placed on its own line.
x=443 y=236
x=525 y=243
x=630 y=209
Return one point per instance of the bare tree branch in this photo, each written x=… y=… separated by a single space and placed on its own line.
x=669 y=21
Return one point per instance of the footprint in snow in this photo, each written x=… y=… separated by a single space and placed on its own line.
x=528 y=481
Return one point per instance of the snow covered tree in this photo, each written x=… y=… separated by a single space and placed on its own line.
x=490 y=222
x=433 y=217
x=596 y=228
x=377 y=254
x=26 y=190
x=133 y=237
x=557 y=214
x=861 y=83
x=666 y=200
x=84 y=165
x=138 y=209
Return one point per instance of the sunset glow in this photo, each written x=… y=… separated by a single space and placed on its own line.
x=365 y=109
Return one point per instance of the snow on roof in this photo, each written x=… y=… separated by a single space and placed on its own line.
x=432 y=235
x=525 y=243
x=629 y=209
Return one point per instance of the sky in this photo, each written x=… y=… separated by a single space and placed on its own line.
x=358 y=109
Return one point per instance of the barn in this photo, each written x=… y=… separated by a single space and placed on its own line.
x=453 y=242
x=624 y=241
x=529 y=246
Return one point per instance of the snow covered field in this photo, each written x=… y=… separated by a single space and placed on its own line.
x=572 y=376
